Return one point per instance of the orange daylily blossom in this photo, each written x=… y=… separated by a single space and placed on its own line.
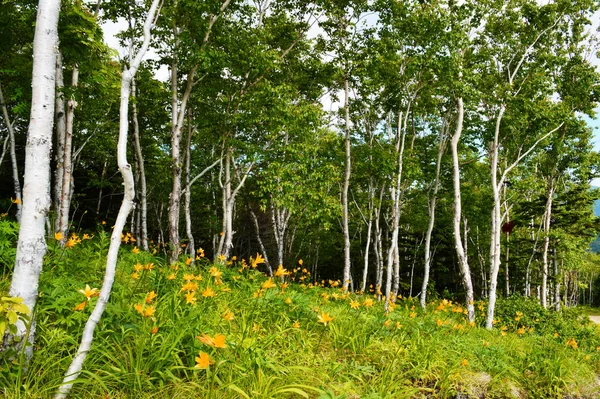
x=58 y=236
x=89 y=292
x=203 y=361
x=354 y=304
x=135 y=250
x=190 y=298
x=150 y=297
x=149 y=311
x=296 y=324
x=171 y=276
x=188 y=261
x=208 y=293
x=81 y=306
x=324 y=318
x=268 y=284
x=154 y=330
x=217 y=342
x=228 y=315
x=257 y=261
x=15 y=201
x=139 y=308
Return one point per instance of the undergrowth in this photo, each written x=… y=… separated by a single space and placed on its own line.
x=223 y=330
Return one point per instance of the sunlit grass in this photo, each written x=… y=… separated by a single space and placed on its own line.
x=224 y=330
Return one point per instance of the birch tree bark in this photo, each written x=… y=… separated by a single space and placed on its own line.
x=431 y=209
x=392 y=256
x=60 y=127
x=461 y=254
x=345 y=222
x=31 y=244
x=13 y=155
x=547 y=220
x=126 y=206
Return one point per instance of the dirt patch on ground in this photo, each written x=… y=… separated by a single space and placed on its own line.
x=595 y=319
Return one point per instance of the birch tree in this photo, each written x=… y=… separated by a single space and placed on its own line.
x=31 y=245
x=115 y=240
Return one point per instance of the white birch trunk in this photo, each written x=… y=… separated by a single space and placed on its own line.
x=115 y=239
x=392 y=259
x=345 y=221
x=60 y=127
x=143 y=216
x=67 y=178
x=260 y=242
x=31 y=245
x=431 y=209
x=191 y=247
x=460 y=246
x=547 y=219
x=13 y=155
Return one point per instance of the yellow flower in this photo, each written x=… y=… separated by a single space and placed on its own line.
x=135 y=250
x=398 y=325
x=188 y=277
x=300 y=262
x=296 y=324
x=257 y=261
x=208 y=293
x=521 y=331
x=217 y=342
x=154 y=330
x=221 y=257
x=228 y=315
x=387 y=323
x=288 y=300
x=464 y=362
x=149 y=311
x=354 y=304
x=87 y=236
x=58 y=236
x=412 y=315
x=203 y=361
x=81 y=306
x=215 y=272
x=200 y=252
x=268 y=284
x=89 y=292
x=138 y=267
x=324 y=318
x=148 y=266
x=281 y=272
x=15 y=201
x=190 y=298
x=368 y=303
x=572 y=343
x=188 y=261
x=139 y=308
x=555 y=335
x=171 y=276
x=150 y=297
x=189 y=286
x=255 y=327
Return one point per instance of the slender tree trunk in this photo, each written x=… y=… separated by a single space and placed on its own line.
x=143 y=215
x=547 y=220
x=345 y=221
x=115 y=239
x=67 y=179
x=431 y=209
x=363 y=285
x=188 y=193
x=31 y=244
x=557 y=282
x=496 y=222
x=393 y=263
x=13 y=155
x=260 y=242
x=379 y=246
x=460 y=246
x=102 y=177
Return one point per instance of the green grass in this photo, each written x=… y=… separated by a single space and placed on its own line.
x=361 y=353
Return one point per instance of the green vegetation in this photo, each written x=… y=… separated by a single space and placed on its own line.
x=279 y=341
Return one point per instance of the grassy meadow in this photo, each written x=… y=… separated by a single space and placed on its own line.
x=225 y=330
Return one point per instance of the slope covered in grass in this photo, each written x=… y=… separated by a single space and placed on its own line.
x=224 y=330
